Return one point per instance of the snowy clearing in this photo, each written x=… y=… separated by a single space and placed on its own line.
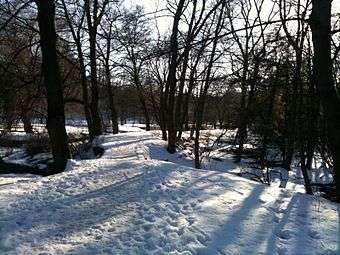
x=138 y=199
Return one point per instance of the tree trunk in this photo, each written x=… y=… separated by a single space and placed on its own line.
x=26 y=119
x=320 y=22
x=172 y=80
x=305 y=175
x=113 y=115
x=96 y=121
x=113 y=112
x=204 y=90
x=242 y=126
x=269 y=122
x=50 y=68
x=85 y=93
x=141 y=98
x=92 y=24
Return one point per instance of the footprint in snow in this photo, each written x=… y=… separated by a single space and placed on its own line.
x=190 y=220
x=281 y=251
x=203 y=239
x=276 y=219
x=193 y=204
x=98 y=237
x=185 y=207
x=173 y=215
x=172 y=222
x=180 y=231
x=150 y=218
x=285 y=234
x=176 y=208
x=280 y=201
x=154 y=198
x=147 y=227
x=111 y=229
x=314 y=234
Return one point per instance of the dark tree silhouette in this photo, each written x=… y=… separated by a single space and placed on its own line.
x=50 y=68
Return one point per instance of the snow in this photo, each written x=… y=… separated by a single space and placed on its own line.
x=138 y=199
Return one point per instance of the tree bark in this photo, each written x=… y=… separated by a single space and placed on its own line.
x=76 y=34
x=320 y=22
x=172 y=80
x=26 y=119
x=205 y=87
x=113 y=112
x=92 y=24
x=50 y=68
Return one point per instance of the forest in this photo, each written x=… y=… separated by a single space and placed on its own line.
x=165 y=124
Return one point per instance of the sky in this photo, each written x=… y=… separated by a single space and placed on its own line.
x=164 y=23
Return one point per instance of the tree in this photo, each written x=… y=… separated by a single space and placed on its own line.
x=320 y=23
x=75 y=22
x=134 y=40
x=106 y=49
x=94 y=11
x=50 y=68
x=207 y=81
x=168 y=103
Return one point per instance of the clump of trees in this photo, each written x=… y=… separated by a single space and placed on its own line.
x=268 y=68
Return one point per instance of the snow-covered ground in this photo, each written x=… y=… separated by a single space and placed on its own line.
x=218 y=143
x=138 y=199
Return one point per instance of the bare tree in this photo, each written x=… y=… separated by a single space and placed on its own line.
x=106 y=48
x=50 y=67
x=134 y=39
x=320 y=22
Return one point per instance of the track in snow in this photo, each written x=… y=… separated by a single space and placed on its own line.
x=133 y=201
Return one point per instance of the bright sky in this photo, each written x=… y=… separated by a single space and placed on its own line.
x=153 y=6
x=164 y=23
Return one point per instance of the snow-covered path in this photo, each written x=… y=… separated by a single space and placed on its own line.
x=137 y=199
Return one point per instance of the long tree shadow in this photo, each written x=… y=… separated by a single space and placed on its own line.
x=232 y=228
x=138 y=191
x=187 y=193
x=264 y=217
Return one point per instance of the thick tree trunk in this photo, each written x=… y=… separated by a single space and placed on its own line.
x=96 y=121
x=145 y=111
x=50 y=68
x=172 y=80
x=141 y=98
x=269 y=122
x=305 y=175
x=26 y=119
x=85 y=92
x=162 y=115
x=92 y=25
x=320 y=22
x=76 y=34
x=242 y=125
x=113 y=112
x=203 y=93
x=87 y=111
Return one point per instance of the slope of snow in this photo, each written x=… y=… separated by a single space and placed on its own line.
x=137 y=199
